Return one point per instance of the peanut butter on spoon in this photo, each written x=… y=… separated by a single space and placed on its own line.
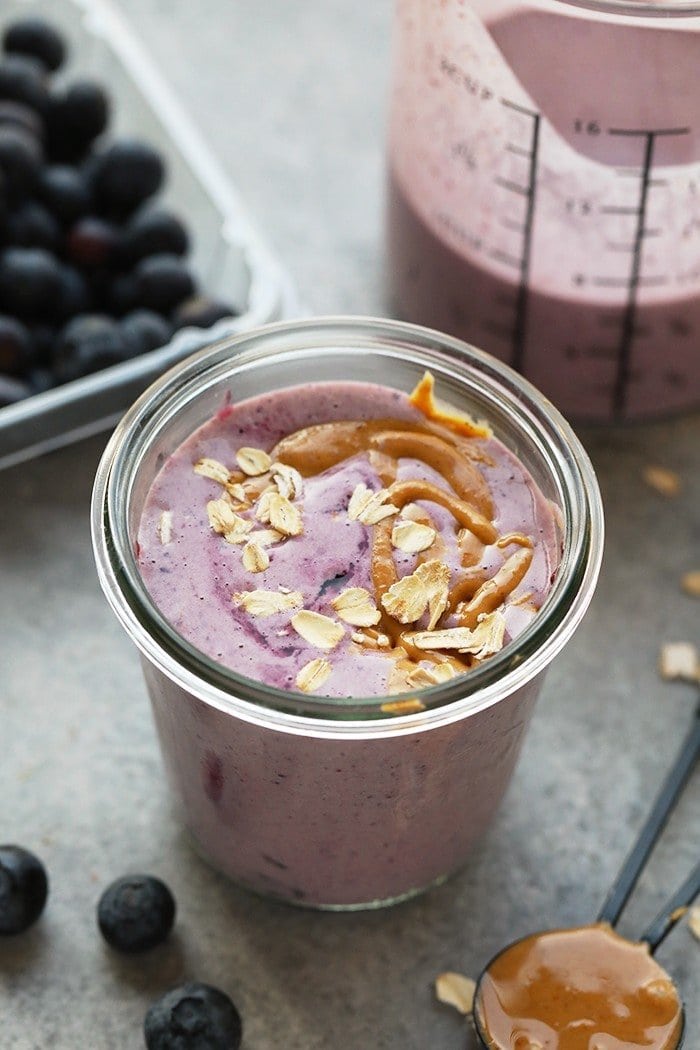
x=586 y=988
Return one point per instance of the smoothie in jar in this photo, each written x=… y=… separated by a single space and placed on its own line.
x=336 y=538
x=345 y=595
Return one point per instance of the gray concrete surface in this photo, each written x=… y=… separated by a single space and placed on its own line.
x=293 y=97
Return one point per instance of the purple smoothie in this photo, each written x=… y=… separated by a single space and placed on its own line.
x=307 y=794
x=196 y=577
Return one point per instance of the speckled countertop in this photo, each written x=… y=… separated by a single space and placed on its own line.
x=293 y=98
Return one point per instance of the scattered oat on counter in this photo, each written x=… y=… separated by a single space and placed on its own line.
x=690 y=583
x=679 y=660
x=694 y=921
x=454 y=989
x=664 y=481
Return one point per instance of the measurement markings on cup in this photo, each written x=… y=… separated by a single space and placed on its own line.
x=635 y=280
x=521 y=261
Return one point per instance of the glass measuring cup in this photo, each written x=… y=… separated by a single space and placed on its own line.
x=544 y=192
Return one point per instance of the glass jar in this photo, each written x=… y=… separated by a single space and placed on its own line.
x=544 y=192
x=322 y=801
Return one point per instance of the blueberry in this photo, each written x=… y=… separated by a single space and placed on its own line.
x=30 y=282
x=202 y=312
x=40 y=380
x=92 y=242
x=16 y=347
x=76 y=116
x=17 y=115
x=126 y=175
x=136 y=913
x=194 y=1016
x=23 y=889
x=22 y=80
x=11 y=391
x=31 y=225
x=153 y=233
x=122 y=294
x=163 y=282
x=88 y=344
x=146 y=330
x=43 y=337
x=37 y=38
x=74 y=297
x=21 y=158
x=65 y=192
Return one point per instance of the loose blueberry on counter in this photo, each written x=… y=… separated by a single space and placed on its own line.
x=152 y=233
x=88 y=344
x=23 y=889
x=164 y=281
x=22 y=80
x=65 y=192
x=126 y=175
x=30 y=282
x=75 y=118
x=146 y=330
x=194 y=1016
x=202 y=312
x=37 y=38
x=136 y=913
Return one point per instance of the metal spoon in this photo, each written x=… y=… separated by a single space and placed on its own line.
x=627 y=878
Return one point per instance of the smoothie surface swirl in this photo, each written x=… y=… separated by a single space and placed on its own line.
x=346 y=539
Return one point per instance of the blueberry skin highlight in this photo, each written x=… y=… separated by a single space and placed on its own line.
x=136 y=913
x=24 y=887
x=194 y=1016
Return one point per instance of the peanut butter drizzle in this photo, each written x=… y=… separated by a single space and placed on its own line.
x=510 y=538
x=447 y=460
x=315 y=449
x=562 y=988
x=494 y=592
x=465 y=589
x=403 y=492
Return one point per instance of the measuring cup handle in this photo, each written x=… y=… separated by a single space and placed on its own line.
x=668 y=796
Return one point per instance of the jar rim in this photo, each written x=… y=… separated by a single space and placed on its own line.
x=520 y=661
x=639 y=8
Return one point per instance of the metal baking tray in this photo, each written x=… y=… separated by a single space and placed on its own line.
x=229 y=256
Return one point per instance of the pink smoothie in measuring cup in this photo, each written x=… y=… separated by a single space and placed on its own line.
x=544 y=174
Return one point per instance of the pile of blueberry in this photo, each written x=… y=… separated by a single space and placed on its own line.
x=135 y=913
x=91 y=273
